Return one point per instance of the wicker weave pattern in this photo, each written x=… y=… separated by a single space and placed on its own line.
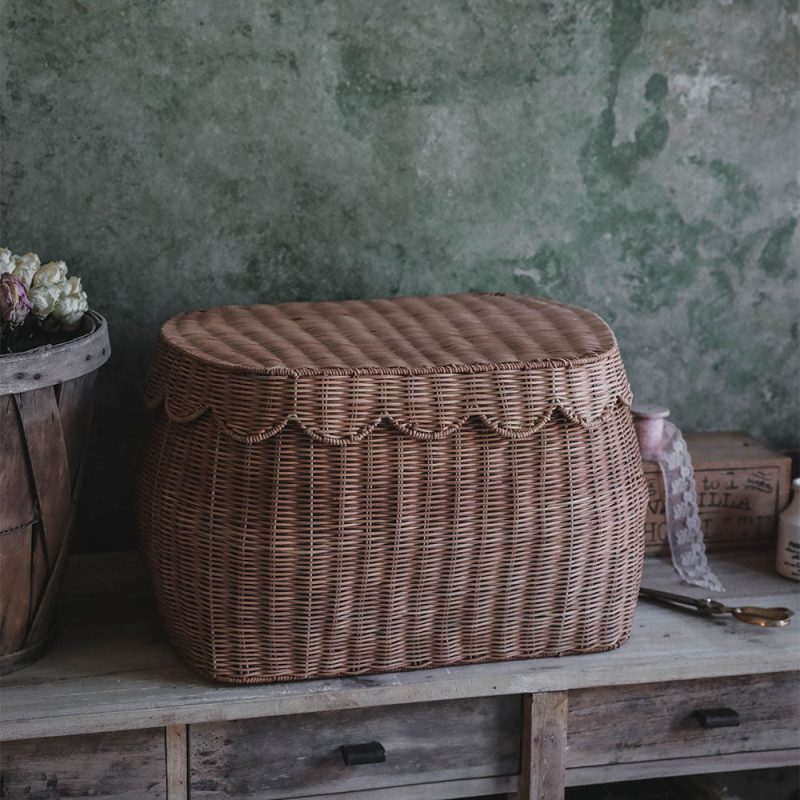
x=331 y=489
x=195 y=372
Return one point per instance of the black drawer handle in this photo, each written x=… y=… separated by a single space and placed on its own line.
x=717 y=717
x=368 y=753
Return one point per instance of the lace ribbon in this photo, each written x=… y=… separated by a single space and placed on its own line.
x=683 y=520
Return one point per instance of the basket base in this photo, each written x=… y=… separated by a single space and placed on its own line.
x=228 y=678
x=11 y=662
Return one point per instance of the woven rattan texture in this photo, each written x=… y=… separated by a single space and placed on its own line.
x=224 y=361
x=410 y=334
x=312 y=517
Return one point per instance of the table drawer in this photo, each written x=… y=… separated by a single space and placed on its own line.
x=656 y=721
x=129 y=765
x=280 y=757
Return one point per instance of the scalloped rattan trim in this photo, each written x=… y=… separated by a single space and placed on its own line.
x=505 y=431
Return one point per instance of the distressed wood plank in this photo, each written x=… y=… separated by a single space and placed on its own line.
x=424 y=743
x=177 y=761
x=75 y=405
x=47 y=456
x=446 y=790
x=128 y=765
x=111 y=666
x=17 y=512
x=15 y=599
x=17 y=506
x=42 y=623
x=654 y=721
x=544 y=744
x=671 y=767
x=47 y=459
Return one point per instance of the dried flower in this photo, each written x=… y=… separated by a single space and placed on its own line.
x=57 y=302
x=71 y=305
x=25 y=267
x=6 y=260
x=50 y=274
x=14 y=302
x=47 y=286
x=44 y=299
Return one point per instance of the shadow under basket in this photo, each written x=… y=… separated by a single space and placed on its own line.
x=46 y=398
x=343 y=488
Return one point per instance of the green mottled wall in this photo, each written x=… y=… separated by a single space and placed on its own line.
x=639 y=158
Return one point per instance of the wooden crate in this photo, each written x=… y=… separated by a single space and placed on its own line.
x=742 y=486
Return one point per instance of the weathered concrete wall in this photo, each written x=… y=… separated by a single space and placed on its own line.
x=639 y=158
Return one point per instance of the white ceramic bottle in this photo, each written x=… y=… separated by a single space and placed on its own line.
x=787 y=556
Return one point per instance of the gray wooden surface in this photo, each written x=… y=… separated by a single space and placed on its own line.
x=177 y=758
x=128 y=765
x=672 y=767
x=544 y=745
x=642 y=723
x=111 y=667
x=277 y=757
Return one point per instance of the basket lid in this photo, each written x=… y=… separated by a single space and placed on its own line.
x=425 y=364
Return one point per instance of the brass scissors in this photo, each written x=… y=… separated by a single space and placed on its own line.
x=766 y=617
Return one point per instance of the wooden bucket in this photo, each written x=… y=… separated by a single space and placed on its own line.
x=46 y=399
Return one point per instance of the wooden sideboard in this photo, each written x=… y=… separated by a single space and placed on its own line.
x=112 y=712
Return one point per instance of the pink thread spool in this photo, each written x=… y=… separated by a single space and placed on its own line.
x=648 y=420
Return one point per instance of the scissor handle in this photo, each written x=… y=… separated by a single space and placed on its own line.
x=766 y=617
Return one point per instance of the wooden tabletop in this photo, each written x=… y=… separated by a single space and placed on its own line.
x=111 y=667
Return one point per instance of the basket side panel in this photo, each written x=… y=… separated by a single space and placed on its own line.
x=289 y=558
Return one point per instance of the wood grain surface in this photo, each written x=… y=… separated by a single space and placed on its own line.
x=177 y=739
x=276 y=757
x=672 y=767
x=544 y=745
x=17 y=515
x=75 y=407
x=47 y=458
x=654 y=721
x=128 y=765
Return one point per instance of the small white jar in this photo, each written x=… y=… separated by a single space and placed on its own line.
x=787 y=556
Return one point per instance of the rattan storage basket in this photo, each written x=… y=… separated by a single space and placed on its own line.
x=343 y=488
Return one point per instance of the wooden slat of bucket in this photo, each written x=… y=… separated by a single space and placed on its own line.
x=16 y=509
x=43 y=614
x=15 y=601
x=17 y=491
x=47 y=457
x=75 y=407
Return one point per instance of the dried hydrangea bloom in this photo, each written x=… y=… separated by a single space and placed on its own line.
x=71 y=305
x=47 y=286
x=44 y=299
x=14 y=302
x=25 y=267
x=52 y=273
x=6 y=260
x=56 y=301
